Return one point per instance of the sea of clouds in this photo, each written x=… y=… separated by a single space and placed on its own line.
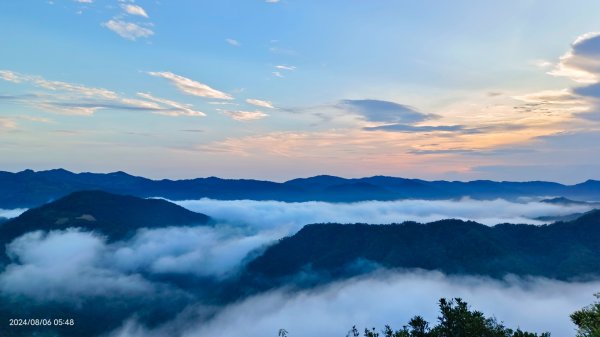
x=533 y=304
x=73 y=266
x=269 y=214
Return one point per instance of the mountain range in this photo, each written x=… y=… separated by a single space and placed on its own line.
x=112 y=215
x=561 y=250
x=29 y=188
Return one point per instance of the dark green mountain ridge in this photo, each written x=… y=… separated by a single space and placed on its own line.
x=115 y=216
x=563 y=250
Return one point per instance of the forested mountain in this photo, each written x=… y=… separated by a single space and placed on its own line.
x=115 y=216
x=563 y=250
x=29 y=189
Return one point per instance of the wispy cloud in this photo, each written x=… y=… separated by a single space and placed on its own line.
x=282 y=51
x=233 y=42
x=413 y=128
x=190 y=86
x=75 y=88
x=128 y=30
x=41 y=82
x=543 y=64
x=36 y=119
x=558 y=97
x=222 y=103
x=260 y=103
x=244 y=116
x=10 y=76
x=76 y=99
x=280 y=69
x=177 y=109
x=7 y=123
x=134 y=10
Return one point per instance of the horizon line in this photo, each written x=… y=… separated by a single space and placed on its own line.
x=589 y=180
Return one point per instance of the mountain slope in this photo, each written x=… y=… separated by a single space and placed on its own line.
x=29 y=189
x=115 y=216
x=563 y=250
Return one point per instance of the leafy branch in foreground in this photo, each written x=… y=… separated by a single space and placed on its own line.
x=456 y=320
x=588 y=319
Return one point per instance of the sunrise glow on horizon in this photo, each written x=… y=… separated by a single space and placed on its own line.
x=280 y=89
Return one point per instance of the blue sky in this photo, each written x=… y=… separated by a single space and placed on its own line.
x=280 y=89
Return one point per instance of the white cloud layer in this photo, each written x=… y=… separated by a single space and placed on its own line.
x=274 y=214
x=65 y=266
x=200 y=251
x=219 y=251
x=73 y=264
x=534 y=304
x=11 y=213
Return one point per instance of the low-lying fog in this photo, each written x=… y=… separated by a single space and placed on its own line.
x=11 y=213
x=72 y=266
x=263 y=214
x=387 y=298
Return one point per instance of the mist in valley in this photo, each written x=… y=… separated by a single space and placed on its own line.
x=77 y=268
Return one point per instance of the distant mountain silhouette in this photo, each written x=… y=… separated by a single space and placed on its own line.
x=29 y=189
x=566 y=201
x=115 y=216
x=563 y=250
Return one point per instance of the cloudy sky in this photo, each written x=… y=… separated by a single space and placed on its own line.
x=278 y=89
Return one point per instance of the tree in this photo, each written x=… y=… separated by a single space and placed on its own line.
x=588 y=319
x=456 y=320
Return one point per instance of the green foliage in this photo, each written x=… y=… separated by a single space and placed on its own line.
x=456 y=320
x=562 y=250
x=588 y=320
x=116 y=216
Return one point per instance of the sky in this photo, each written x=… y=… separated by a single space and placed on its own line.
x=278 y=89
